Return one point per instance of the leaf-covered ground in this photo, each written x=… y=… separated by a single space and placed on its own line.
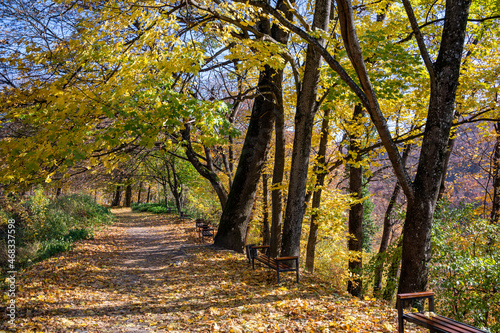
x=149 y=273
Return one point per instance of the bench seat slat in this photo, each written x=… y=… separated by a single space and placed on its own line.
x=273 y=263
x=440 y=323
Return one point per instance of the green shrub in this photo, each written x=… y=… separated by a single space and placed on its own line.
x=55 y=225
x=53 y=247
x=158 y=210
x=465 y=267
x=78 y=234
x=45 y=228
x=82 y=208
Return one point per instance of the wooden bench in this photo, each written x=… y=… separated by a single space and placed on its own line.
x=435 y=323
x=204 y=229
x=279 y=264
x=184 y=215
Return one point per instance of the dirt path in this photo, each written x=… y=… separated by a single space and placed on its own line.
x=109 y=284
x=149 y=273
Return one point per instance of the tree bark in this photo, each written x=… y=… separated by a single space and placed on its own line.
x=128 y=195
x=304 y=122
x=384 y=243
x=117 y=197
x=442 y=188
x=392 y=275
x=139 y=192
x=355 y=242
x=174 y=184
x=387 y=231
x=321 y=171
x=266 y=235
x=495 y=162
x=233 y=224
x=148 y=197
x=278 y=172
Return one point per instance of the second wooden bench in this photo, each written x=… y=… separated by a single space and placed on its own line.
x=435 y=323
x=279 y=264
x=204 y=229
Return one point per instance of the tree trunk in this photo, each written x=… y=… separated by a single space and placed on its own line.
x=355 y=243
x=233 y=224
x=265 y=207
x=444 y=81
x=278 y=173
x=139 y=192
x=148 y=197
x=207 y=171
x=128 y=196
x=231 y=233
x=304 y=122
x=495 y=162
x=392 y=275
x=387 y=231
x=58 y=192
x=384 y=243
x=117 y=197
x=321 y=171
x=174 y=184
x=442 y=188
x=165 y=194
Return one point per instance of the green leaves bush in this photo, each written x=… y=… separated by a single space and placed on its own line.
x=52 y=247
x=151 y=207
x=50 y=227
x=465 y=267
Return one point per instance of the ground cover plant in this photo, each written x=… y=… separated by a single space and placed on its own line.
x=45 y=227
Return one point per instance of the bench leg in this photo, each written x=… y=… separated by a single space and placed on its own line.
x=297 y=273
x=278 y=273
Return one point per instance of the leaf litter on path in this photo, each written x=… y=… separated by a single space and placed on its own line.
x=150 y=273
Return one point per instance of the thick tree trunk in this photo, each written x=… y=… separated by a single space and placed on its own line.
x=266 y=235
x=128 y=195
x=355 y=242
x=420 y=211
x=278 y=174
x=117 y=197
x=231 y=233
x=279 y=146
x=304 y=122
x=321 y=171
x=233 y=224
